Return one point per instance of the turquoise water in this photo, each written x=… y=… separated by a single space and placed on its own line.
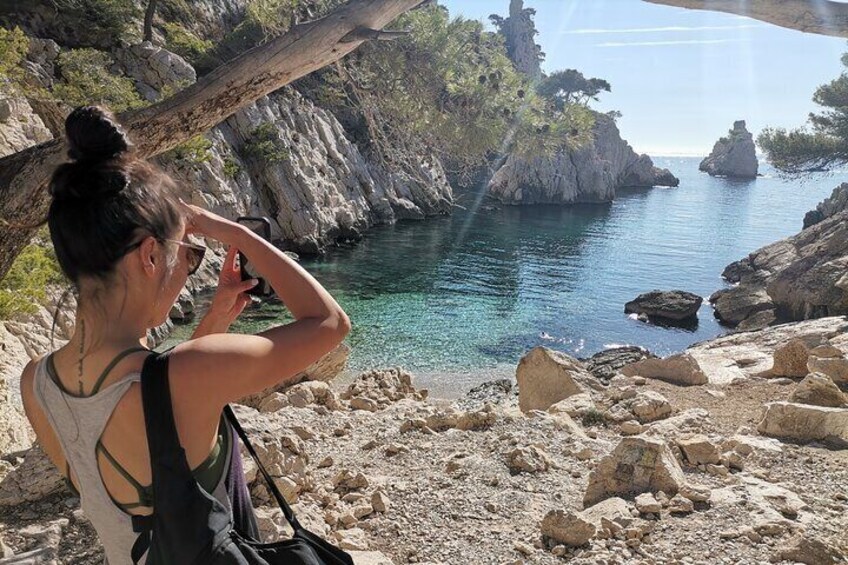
x=458 y=299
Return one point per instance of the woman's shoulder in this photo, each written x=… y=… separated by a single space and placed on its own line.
x=28 y=377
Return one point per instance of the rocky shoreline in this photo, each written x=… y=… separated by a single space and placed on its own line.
x=380 y=467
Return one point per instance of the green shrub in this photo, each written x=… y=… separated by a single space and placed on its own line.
x=23 y=286
x=184 y=43
x=105 y=20
x=194 y=150
x=272 y=16
x=265 y=145
x=86 y=80
x=13 y=48
x=593 y=417
x=231 y=167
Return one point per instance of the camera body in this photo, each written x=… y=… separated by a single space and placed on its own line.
x=261 y=226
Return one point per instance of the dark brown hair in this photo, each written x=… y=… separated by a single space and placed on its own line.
x=105 y=199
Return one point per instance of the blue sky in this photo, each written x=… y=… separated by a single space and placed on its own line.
x=679 y=77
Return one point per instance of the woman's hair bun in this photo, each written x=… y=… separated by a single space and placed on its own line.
x=94 y=139
x=94 y=135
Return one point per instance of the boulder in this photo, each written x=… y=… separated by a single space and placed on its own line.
x=647 y=504
x=679 y=504
x=680 y=369
x=699 y=450
x=605 y=364
x=834 y=367
x=803 y=422
x=577 y=528
x=32 y=480
x=740 y=304
x=676 y=305
x=545 y=377
x=638 y=464
x=650 y=406
x=805 y=548
x=819 y=390
x=575 y=406
x=529 y=459
x=734 y=155
x=790 y=360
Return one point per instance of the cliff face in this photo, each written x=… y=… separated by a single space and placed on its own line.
x=588 y=174
x=734 y=155
x=280 y=157
x=519 y=33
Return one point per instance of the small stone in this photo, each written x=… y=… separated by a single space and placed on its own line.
x=695 y=493
x=717 y=470
x=680 y=505
x=380 y=501
x=699 y=450
x=631 y=428
x=647 y=504
x=523 y=548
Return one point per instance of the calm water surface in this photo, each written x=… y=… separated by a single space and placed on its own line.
x=457 y=300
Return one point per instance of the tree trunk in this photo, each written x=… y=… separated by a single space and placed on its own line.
x=822 y=17
x=306 y=47
x=148 y=20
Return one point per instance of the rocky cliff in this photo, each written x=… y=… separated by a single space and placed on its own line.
x=519 y=33
x=734 y=155
x=588 y=174
x=797 y=278
x=287 y=159
x=835 y=203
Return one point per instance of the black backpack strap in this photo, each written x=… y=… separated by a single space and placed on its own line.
x=159 y=422
x=142 y=525
x=281 y=501
x=161 y=434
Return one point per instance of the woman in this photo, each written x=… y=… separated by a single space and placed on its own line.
x=120 y=236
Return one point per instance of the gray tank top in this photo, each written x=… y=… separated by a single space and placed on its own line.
x=78 y=423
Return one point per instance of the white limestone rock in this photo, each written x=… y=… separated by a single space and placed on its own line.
x=733 y=156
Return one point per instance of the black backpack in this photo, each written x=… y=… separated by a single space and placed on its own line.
x=189 y=526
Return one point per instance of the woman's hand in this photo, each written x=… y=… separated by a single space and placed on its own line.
x=201 y=221
x=230 y=298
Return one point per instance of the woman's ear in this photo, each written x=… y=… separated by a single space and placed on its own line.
x=149 y=254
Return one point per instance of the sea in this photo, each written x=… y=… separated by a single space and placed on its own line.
x=457 y=300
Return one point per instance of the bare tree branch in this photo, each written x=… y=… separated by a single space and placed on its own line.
x=822 y=17
x=253 y=74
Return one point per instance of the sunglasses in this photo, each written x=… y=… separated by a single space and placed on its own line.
x=195 y=253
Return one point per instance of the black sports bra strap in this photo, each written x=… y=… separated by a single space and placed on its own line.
x=112 y=364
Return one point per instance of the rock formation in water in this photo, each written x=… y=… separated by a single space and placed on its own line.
x=591 y=173
x=674 y=305
x=797 y=278
x=733 y=156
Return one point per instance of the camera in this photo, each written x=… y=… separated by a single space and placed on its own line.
x=262 y=227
